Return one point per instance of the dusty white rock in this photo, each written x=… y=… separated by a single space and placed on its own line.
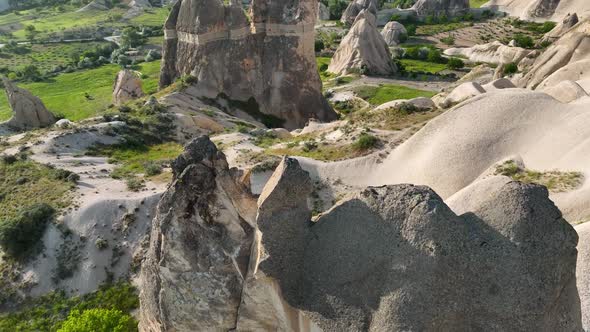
x=393 y=32
x=422 y=103
x=566 y=91
x=127 y=87
x=64 y=124
x=355 y=7
x=28 y=111
x=501 y=83
x=494 y=52
x=563 y=27
x=438 y=7
x=462 y=93
x=363 y=49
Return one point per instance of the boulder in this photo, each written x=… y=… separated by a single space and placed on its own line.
x=501 y=83
x=421 y=103
x=200 y=244
x=438 y=7
x=363 y=50
x=226 y=52
x=127 y=87
x=560 y=29
x=573 y=71
x=394 y=33
x=494 y=52
x=323 y=12
x=28 y=111
x=462 y=93
x=355 y=7
x=481 y=74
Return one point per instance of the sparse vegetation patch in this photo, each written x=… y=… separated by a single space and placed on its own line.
x=555 y=181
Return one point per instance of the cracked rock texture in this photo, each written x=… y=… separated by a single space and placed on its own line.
x=264 y=57
x=437 y=7
x=355 y=7
x=28 y=111
x=390 y=258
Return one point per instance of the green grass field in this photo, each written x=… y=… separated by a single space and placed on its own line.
x=477 y=3
x=422 y=66
x=46 y=56
x=377 y=95
x=65 y=93
x=154 y=16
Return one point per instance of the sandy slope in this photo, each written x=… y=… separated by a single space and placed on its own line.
x=457 y=147
x=520 y=8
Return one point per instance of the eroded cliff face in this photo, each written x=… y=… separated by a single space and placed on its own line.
x=390 y=258
x=265 y=56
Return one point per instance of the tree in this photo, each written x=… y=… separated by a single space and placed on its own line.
x=455 y=63
x=31 y=32
x=31 y=73
x=131 y=38
x=99 y=320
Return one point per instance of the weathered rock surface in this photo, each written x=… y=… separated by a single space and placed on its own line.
x=583 y=272
x=563 y=27
x=554 y=10
x=462 y=93
x=393 y=32
x=501 y=83
x=437 y=7
x=363 y=49
x=566 y=91
x=390 y=258
x=127 y=87
x=323 y=12
x=200 y=246
x=28 y=111
x=227 y=51
x=355 y=7
x=571 y=50
x=494 y=52
x=421 y=103
x=96 y=5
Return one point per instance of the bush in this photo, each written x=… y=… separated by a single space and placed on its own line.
x=449 y=40
x=365 y=142
x=524 y=41
x=20 y=234
x=411 y=29
x=134 y=183
x=319 y=45
x=152 y=168
x=99 y=320
x=510 y=68
x=455 y=63
x=434 y=55
x=152 y=55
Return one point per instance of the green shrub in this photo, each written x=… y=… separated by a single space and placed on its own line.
x=152 y=168
x=434 y=55
x=134 y=183
x=524 y=41
x=365 y=142
x=510 y=68
x=18 y=236
x=455 y=63
x=99 y=320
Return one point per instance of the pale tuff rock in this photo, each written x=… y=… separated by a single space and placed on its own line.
x=564 y=26
x=96 y=5
x=226 y=51
x=28 y=111
x=437 y=7
x=501 y=83
x=200 y=245
x=566 y=91
x=494 y=52
x=571 y=50
x=462 y=93
x=363 y=50
x=393 y=32
x=554 y=10
x=583 y=272
x=127 y=87
x=421 y=103
x=355 y=7
x=323 y=12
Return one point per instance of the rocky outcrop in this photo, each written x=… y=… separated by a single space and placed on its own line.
x=355 y=7
x=567 y=57
x=28 y=111
x=323 y=12
x=437 y=7
x=566 y=91
x=563 y=27
x=494 y=52
x=127 y=87
x=201 y=236
x=96 y=5
x=227 y=52
x=554 y=10
x=389 y=258
x=363 y=50
x=583 y=272
x=394 y=33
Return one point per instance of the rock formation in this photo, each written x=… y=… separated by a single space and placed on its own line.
x=389 y=258
x=566 y=59
x=28 y=111
x=583 y=272
x=563 y=27
x=227 y=51
x=494 y=52
x=363 y=50
x=554 y=10
x=96 y=5
x=323 y=12
x=437 y=7
x=355 y=7
x=127 y=87
x=393 y=33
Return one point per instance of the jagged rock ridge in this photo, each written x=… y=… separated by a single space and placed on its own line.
x=264 y=57
x=389 y=258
